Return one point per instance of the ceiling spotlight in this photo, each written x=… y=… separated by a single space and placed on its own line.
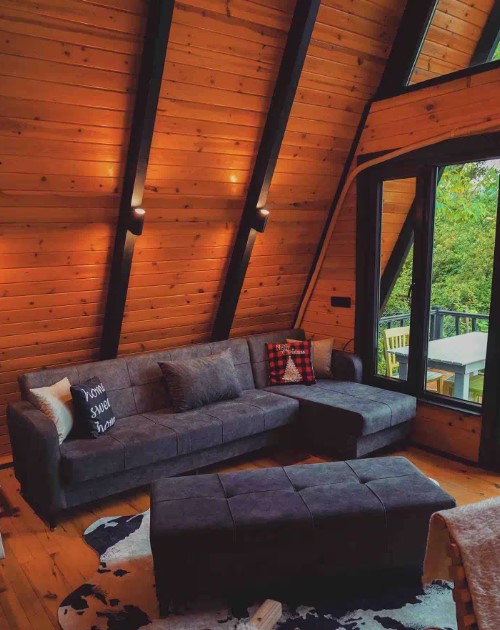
x=137 y=221
x=261 y=218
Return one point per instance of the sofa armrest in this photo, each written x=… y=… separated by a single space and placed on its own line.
x=36 y=452
x=347 y=366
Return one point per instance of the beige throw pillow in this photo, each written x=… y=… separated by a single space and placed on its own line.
x=56 y=402
x=322 y=357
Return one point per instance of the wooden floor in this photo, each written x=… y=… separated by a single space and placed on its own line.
x=42 y=567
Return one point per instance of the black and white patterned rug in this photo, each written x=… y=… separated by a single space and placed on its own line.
x=121 y=596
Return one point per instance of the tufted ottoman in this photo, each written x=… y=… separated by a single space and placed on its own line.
x=232 y=530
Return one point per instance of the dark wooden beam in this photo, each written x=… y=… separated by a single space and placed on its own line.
x=404 y=53
x=490 y=37
x=141 y=133
x=294 y=55
x=406 y=47
x=397 y=258
x=489 y=451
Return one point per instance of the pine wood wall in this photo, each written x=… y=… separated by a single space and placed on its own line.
x=68 y=75
x=397 y=194
x=345 y=60
x=66 y=93
x=218 y=80
x=394 y=123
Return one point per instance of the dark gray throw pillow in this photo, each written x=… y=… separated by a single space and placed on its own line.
x=93 y=412
x=192 y=383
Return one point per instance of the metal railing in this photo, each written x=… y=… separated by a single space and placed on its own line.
x=443 y=323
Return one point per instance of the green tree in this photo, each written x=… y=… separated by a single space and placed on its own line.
x=464 y=240
x=497 y=53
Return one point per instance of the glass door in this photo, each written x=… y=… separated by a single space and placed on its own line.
x=425 y=259
x=427 y=319
x=463 y=243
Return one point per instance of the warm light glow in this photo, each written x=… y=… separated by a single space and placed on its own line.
x=140 y=212
x=263 y=212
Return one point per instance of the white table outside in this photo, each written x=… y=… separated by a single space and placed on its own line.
x=463 y=354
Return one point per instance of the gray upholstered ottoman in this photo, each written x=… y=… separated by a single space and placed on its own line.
x=231 y=530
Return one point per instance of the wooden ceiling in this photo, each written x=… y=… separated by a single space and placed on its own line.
x=452 y=37
x=67 y=92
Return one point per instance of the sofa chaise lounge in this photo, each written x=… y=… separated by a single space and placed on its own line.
x=149 y=441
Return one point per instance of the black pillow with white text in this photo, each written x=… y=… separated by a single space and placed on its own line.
x=93 y=413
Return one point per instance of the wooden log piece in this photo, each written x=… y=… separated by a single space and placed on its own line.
x=466 y=619
x=267 y=616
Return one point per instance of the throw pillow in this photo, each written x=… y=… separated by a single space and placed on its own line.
x=192 y=383
x=290 y=363
x=94 y=415
x=55 y=402
x=321 y=356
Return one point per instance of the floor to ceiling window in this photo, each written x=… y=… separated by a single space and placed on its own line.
x=429 y=253
x=462 y=267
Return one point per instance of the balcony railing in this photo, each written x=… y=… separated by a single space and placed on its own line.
x=443 y=323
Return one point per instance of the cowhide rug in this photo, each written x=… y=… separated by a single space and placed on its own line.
x=121 y=596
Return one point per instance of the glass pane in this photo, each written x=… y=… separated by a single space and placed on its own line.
x=463 y=247
x=396 y=280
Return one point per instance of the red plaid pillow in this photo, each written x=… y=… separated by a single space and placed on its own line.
x=290 y=363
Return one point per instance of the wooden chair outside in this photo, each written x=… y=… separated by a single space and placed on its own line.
x=476 y=385
x=400 y=338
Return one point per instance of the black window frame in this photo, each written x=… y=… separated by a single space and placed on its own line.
x=423 y=164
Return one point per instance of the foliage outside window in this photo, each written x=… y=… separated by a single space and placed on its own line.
x=464 y=238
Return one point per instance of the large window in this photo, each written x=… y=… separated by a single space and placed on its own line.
x=426 y=257
x=463 y=244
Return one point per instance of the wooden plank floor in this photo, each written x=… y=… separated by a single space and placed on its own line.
x=42 y=567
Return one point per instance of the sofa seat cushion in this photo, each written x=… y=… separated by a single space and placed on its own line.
x=134 y=441
x=195 y=430
x=84 y=459
x=278 y=410
x=144 y=441
x=238 y=419
x=156 y=436
x=251 y=413
x=350 y=408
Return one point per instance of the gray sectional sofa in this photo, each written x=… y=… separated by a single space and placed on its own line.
x=149 y=441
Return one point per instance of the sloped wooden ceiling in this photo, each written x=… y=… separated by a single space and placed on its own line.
x=66 y=94
x=395 y=123
x=454 y=33
x=345 y=61
x=68 y=75
x=219 y=77
x=452 y=37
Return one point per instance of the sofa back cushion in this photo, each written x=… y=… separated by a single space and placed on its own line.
x=258 y=351
x=134 y=384
x=113 y=374
x=146 y=377
x=193 y=383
